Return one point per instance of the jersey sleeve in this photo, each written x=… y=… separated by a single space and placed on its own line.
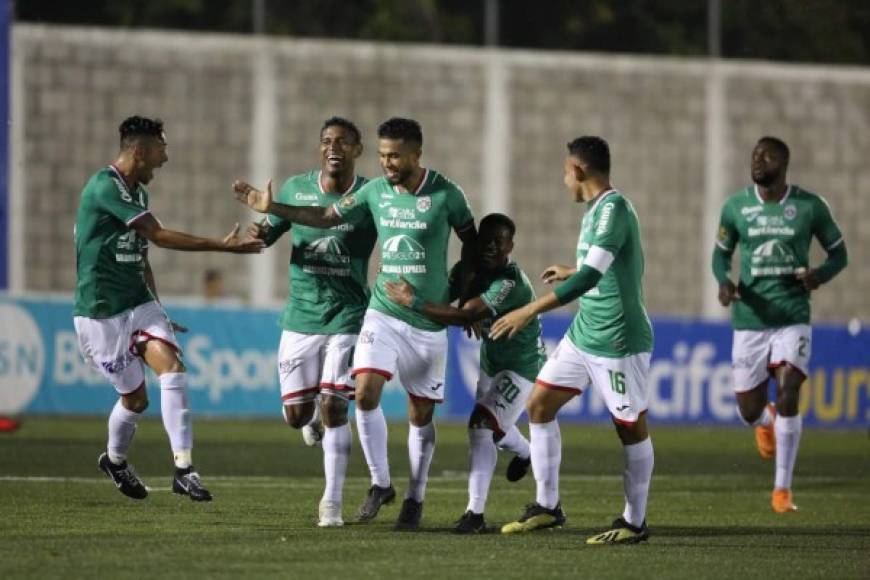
x=119 y=203
x=610 y=229
x=825 y=228
x=459 y=213
x=726 y=236
x=353 y=207
x=497 y=296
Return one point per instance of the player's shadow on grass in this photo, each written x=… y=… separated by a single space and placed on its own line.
x=767 y=531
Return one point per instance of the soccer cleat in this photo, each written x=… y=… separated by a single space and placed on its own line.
x=765 y=439
x=409 y=516
x=312 y=433
x=124 y=477
x=375 y=498
x=470 y=523
x=781 y=502
x=518 y=468
x=536 y=517
x=330 y=514
x=621 y=532
x=187 y=482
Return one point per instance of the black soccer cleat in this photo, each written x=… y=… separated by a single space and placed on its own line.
x=375 y=498
x=536 y=517
x=187 y=482
x=470 y=523
x=518 y=468
x=409 y=517
x=124 y=477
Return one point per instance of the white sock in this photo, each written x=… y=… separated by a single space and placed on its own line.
x=421 y=447
x=176 y=416
x=336 y=451
x=482 y=456
x=315 y=416
x=765 y=419
x=122 y=427
x=639 y=460
x=515 y=442
x=788 y=437
x=546 y=448
x=372 y=428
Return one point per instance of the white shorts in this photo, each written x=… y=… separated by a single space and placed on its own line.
x=755 y=353
x=313 y=363
x=621 y=382
x=503 y=397
x=387 y=346
x=108 y=344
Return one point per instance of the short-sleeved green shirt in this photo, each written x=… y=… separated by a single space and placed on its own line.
x=328 y=271
x=612 y=319
x=110 y=256
x=413 y=231
x=523 y=354
x=774 y=239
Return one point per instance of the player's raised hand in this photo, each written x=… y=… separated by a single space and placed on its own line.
x=256 y=230
x=808 y=277
x=728 y=293
x=237 y=245
x=400 y=291
x=557 y=273
x=511 y=323
x=257 y=200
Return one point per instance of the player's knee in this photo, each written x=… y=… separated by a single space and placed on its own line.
x=137 y=401
x=366 y=400
x=334 y=411
x=539 y=411
x=295 y=416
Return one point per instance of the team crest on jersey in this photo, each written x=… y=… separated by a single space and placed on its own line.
x=723 y=234
x=347 y=201
x=789 y=211
x=424 y=203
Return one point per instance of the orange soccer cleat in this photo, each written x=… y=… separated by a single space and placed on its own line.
x=781 y=502
x=765 y=439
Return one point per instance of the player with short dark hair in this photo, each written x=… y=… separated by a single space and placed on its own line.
x=118 y=320
x=414 y=209
x=773 y=224
x=507 y=368
x=325 y=306
x=608 y=346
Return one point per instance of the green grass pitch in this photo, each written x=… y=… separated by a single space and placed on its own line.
x=709 y=511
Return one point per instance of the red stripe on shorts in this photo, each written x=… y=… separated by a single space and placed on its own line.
x=289 y=396
x=148 y=336
x=381 y=372
x=547 y=385
x=336 y=387
x=419 y=398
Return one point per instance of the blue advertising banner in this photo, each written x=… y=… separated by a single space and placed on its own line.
x=230 y=354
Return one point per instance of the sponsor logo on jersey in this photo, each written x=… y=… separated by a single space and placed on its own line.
x=403 y=248
x=507 y=286
x=305 y=196
x=402 y=213
x=330 y=257
x=347 y=201
x=723 y=233
x=750 y=213
x=114 y=367
x=604 y=220
x=384 y=204
x=790 y=211
x=424 y=203
x=772 y=258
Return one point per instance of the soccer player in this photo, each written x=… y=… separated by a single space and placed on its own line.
x=118 y=320
x=325 y=307
x=508 y=369
x=414 y=209
x=608 y=345
x=773 y=224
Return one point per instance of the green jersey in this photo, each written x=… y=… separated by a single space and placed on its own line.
x=774 y=240
x=414 y=229
x=110 y=257
x=328 y=267
x=612 y=320
x=523 y=354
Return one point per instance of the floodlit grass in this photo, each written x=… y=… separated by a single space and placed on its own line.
x=709 y=511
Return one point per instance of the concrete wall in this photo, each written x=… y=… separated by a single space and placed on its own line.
x=496 y=122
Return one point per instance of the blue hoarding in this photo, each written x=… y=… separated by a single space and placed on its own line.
x=230 y=354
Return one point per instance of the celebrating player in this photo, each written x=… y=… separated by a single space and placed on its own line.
x=507 y=369
x=608 y=345
x=773 y=224
x=324 y=312
x=414 y=209
x=118 y=320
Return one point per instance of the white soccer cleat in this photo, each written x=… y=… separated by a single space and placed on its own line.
x=330 y=515
x=312 y=433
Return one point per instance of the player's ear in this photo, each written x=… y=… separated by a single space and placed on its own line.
x=357 y=150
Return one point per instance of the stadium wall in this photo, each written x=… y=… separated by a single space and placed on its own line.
x=495 y=121
x=230 y=354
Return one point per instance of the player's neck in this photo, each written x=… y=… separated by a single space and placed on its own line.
x=413 y=182
x=124 y=167
x=595 y=189
x=337 y=183
x=774 y=192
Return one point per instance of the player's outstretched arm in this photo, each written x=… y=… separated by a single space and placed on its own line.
x=557 y=273
x=515 y=320
x=148 y=227
x=402 y=292
x=261 y=201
